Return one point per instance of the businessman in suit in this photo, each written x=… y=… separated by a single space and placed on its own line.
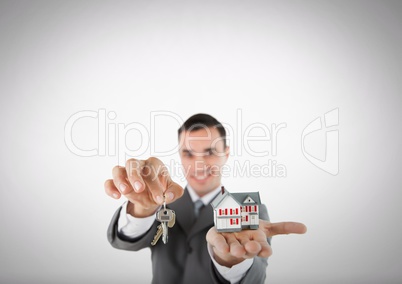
x=195 y=252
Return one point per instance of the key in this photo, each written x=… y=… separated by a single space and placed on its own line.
x=159 y=230
x=167 y=217
x=173 y=221
x=158 y=235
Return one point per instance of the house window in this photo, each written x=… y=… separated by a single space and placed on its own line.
x=251 y=208
x=234 y=221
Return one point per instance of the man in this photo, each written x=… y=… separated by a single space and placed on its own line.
x=195 y=252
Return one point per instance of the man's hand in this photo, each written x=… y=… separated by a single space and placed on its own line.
x=143 y=183
x=232 y=248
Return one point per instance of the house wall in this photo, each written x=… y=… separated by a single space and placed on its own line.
x=250 y=215
x=229 y=223
x=228 y=215
x=229 y=202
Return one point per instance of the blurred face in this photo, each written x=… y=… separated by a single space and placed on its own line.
x=202 y=154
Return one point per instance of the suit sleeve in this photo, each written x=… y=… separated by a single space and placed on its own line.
x=257 y=272
x=120 y=241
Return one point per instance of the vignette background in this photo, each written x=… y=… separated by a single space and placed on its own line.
x=287 y=61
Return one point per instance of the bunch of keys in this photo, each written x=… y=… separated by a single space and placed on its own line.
x=167 y=217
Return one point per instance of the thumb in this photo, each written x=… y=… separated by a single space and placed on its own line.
x=282 y=228
x=173 y=192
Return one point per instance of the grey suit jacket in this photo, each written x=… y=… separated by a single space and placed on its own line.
x=185 y=258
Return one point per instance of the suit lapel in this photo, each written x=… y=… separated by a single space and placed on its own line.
x=185 y=218
x=204 y=220
x=184 y=209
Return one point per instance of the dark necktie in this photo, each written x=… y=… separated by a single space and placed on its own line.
x=197 y=207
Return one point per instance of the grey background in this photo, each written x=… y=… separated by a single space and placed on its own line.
x=276 y=61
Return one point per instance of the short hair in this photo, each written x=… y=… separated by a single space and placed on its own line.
x=201 y=121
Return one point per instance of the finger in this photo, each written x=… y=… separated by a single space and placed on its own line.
x=217 y=241
x=252 y=248
x=255 y=243
x=133 y=171
x=259 y=237
x=155 y=188
x=111 y=189
x=266 y=250
x=174 y=191
x=157 y=177
x=235 y=248
x=120 y=180
x=282 y=228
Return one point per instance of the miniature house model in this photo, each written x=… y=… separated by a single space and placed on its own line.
x=236 y=211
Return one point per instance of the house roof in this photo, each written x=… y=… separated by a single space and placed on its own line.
x=239 y=197
x=219 y=198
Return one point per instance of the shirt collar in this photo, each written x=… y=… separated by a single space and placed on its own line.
x=206 y=199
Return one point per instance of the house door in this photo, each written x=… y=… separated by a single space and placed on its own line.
x=254 y=220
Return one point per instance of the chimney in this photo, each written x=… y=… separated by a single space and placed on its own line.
x=222 y=190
